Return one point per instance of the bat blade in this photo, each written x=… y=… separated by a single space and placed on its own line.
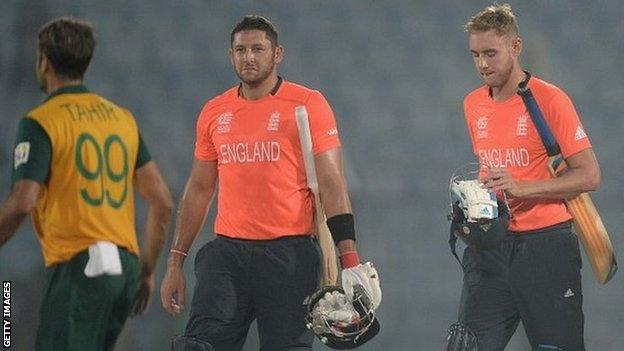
x=589 y=228
x=322 y=233
x=587 y=222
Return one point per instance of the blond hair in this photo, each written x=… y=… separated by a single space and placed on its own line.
x=497 y=17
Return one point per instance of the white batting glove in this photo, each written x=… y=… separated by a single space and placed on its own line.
x=365 y=275
x=475 y=201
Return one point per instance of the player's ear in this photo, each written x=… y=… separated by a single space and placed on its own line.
x=44 y=65
x=279 y=54
x=231 y=56
x=516 y=46
x=40 y=61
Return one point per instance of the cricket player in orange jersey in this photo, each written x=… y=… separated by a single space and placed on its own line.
x=264 y=262
x=533 y=274
x=78 y=159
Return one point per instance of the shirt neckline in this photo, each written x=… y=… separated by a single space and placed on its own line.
x=272 y=93
x=69 y=89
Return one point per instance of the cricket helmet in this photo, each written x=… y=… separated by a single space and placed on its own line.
x=339 y=334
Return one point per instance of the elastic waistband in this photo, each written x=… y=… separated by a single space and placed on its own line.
x=122 y=250
x=288 y=238
x=547 y=232
x=84 y=254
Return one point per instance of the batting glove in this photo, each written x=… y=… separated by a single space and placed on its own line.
x=365 y=275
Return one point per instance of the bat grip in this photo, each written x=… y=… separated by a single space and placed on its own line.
x=548 y=139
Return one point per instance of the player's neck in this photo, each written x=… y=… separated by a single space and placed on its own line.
x=260 y=90
x=55 y=83
x=510 y=88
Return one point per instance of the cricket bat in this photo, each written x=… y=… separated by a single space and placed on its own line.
x=587 y=222
x=323 y=236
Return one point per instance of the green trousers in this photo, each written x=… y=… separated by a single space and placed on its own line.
x=82 y=313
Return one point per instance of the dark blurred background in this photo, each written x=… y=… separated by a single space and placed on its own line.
x=395 y=73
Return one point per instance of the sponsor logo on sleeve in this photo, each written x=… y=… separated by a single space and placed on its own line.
x=21 y=154
x=332 y=132
x=579 y=134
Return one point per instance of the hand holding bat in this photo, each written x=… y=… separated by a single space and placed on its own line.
x=589 y=227
x=329 y=264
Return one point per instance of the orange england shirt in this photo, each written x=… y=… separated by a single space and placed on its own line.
x=262 y=189
x=503 y=135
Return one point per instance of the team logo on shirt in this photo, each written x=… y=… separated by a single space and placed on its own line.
x=224 y=122
x=579 y=134
x=522 y=126
x=332 y=132
x=274 y=122
x=482 y=127
x=21 y=153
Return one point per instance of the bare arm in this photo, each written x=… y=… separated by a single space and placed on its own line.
x=191 y=216
x=194 y=207
x=333 y=189
x=582 y=175
x=335 y=200
x=17 y=206
x=153 y=188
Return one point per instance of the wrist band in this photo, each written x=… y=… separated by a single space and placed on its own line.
x=342 y=227
x=178 y=252
x=349 y=259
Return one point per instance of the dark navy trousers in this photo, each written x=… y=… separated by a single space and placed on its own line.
x=242 y=280
x=532 y=277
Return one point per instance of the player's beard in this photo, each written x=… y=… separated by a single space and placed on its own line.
x=501 y=79
x=258 y=78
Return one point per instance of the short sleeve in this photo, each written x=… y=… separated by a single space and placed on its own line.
x=143 y=156
x=204 y=147
x=469 y=126
x=322 y=124
x=566 y=125
x=32 y=153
